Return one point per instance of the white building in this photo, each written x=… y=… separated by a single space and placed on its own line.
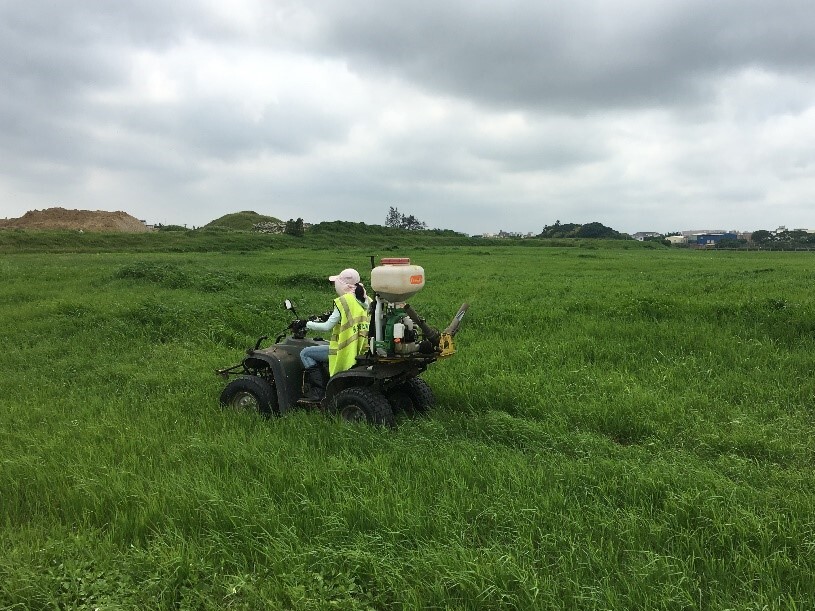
x=641 y=235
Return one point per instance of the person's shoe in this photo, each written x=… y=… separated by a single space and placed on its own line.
x=315 y=378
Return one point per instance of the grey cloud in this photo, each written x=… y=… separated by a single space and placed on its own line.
x=573 y=57
x=58 y=58
x=717 y=76
x=54 y=49
x=213 y=128
x=541 y=151
x=53 y=53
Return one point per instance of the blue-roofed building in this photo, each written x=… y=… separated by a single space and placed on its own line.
x=711 y=239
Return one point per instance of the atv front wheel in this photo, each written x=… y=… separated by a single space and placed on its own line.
x=250 y=393
x=360 y=404
x=412 y=398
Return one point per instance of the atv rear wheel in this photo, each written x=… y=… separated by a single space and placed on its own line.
x=361 y=404
x=412 y=398
x=250 y=393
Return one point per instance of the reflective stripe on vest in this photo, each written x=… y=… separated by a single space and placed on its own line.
x=349 y=337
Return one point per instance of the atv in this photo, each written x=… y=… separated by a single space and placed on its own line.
x=383 y=383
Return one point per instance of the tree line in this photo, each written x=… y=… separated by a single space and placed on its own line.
x=575 y=230
x=403 y=221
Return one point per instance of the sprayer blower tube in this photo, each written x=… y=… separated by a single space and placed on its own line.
x=430 y=334
x=452 y=328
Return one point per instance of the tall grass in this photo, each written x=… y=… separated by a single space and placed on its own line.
x=620 y=429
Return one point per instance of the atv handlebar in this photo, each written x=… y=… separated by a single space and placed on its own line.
x=298 y=328
x=321 y=317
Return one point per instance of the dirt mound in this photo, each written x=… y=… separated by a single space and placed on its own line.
x=86 y=220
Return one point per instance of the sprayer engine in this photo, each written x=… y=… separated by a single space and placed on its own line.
x=401 y=336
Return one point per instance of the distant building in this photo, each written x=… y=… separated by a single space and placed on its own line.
x=512 y=234
x=706 y=240
x=695 y=232
x=677 y=239
x=641 y=235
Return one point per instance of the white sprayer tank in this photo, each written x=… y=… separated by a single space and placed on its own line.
x=396 y=280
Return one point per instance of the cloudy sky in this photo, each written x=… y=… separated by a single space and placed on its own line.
x=512 y=114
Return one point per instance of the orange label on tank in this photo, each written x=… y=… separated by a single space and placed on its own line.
x=416 y=279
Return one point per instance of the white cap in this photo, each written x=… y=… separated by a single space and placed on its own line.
x=347 y=276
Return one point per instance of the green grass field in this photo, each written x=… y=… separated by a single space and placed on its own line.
x=621 y=429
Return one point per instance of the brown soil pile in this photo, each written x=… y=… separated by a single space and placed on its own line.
x=86 y=220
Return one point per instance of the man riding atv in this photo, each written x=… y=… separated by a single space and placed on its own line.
x=348 y=325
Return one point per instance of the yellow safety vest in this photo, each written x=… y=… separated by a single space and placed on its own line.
x=349 y=337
